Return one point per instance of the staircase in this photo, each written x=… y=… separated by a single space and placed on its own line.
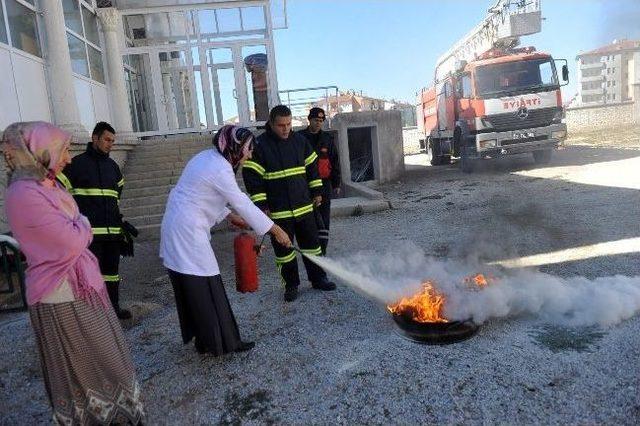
x=152 y=169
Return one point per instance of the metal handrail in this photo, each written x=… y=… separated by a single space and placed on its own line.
x=286 y=98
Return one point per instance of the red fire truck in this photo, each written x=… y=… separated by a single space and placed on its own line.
x=504 y=100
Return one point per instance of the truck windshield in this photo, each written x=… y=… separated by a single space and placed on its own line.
x=510 y=77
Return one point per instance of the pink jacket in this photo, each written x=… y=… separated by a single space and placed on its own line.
x=54 y=237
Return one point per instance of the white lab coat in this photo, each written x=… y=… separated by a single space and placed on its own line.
x=197 y=203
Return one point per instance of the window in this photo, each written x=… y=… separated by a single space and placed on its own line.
x=82 y=37
x=90 y=26
x=72 y=18
x=23 y=27
x=3 y=30
x=496 y=80
x=466 y=86
x=613 y=96
x=78 y=53
x=447 y=88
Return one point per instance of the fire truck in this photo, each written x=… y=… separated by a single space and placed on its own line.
x=491 y=98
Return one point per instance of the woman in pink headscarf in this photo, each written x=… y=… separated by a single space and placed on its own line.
x=88 y=371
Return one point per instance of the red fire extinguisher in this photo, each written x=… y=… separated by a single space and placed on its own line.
x=246 y=257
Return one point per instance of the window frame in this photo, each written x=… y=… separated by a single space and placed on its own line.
x=9 y=44
x=91 y=7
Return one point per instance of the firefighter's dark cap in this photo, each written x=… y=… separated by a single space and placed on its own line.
x=316 y=112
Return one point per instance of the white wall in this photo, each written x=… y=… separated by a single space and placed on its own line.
x=23 y=88
x=24 y=94
x=10 y=111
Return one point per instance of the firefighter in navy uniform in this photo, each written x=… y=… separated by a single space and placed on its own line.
x=282 y=180
x=328 y=169
x=95 y=181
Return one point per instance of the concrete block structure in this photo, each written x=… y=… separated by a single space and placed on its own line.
x=370 y=145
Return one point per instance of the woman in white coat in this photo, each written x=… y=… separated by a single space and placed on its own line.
x=197 y=203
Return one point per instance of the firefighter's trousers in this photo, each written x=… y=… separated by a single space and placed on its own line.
x=303 y=230
x=323 y=216
x=108 y=254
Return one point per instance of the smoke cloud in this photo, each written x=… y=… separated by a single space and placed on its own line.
x=575 y=301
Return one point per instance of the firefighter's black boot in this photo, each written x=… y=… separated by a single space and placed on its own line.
x=290 y=294
x=324 y=285
x=114 y=295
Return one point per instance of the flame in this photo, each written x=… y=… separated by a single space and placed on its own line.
x=425 y=306
x=480 y=280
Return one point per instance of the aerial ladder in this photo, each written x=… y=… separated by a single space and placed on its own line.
x=505 y=23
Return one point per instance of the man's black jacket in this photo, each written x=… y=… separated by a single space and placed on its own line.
x=322 y=143
x=282 y=176
x=95 y=181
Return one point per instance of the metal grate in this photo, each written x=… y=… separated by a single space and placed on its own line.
x=510 y=121
x=525 y=140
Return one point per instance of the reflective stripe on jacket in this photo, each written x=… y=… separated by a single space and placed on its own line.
x=95 y=181
x=282 y=175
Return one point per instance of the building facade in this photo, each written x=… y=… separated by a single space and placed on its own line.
x=608 y=74
x=351 y=101
x=150 y=67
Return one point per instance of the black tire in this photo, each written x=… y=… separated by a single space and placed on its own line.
x=542 y=157
x=435 y=160
x=467 y=164
x=438 y=160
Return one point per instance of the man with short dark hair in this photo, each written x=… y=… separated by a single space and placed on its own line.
x=95 y=181
x=282 y=180
x=328 y=169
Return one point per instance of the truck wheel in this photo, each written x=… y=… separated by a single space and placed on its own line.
x=437 y=160
x=467 y=164
x=542 y=157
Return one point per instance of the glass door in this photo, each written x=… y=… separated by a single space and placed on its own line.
x=176 y=105
x=223 y=90
x=234 y=84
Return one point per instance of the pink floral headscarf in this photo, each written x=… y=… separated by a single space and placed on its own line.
x=33 y=149
x=233 y=143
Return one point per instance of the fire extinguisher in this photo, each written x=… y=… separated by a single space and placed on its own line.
x=246 y=257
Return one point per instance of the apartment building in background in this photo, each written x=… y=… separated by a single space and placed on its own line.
x=607 y=74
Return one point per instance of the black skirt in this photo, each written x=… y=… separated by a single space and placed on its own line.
x=205 y=313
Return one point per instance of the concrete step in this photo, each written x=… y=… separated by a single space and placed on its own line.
x=172 y=144
x=151 y=174
x=356 y=206
x=140 y=168
x=143 y=201
x=148 y=233
x=146 y=154
x=143 y=210
x=169 y=157
x=152 y=219
x=146 y=183
x=147 y=191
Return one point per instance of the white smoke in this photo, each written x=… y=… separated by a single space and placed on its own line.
x=575 y=301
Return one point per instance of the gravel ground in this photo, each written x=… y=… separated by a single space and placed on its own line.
x=336 y=357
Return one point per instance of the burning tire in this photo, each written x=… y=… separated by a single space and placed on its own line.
x=434 y=333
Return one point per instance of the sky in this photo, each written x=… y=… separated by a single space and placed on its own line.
x=388 y=48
